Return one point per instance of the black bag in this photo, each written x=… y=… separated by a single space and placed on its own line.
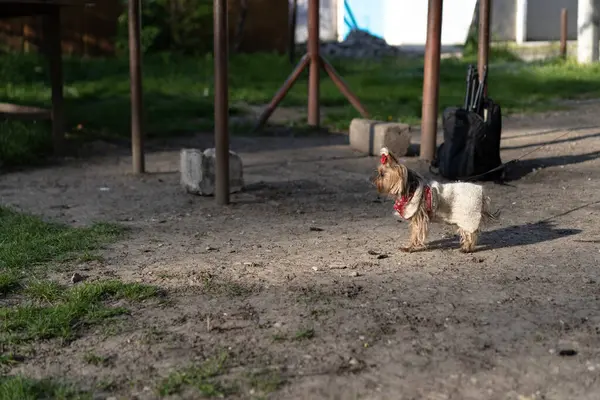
x=471 y=147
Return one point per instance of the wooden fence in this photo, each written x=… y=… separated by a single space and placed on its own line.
x=92 y=30
x=85 y=30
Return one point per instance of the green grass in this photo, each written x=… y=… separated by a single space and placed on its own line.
x=305 y=334
x=266 y=381
x=202 y=378
x=19 y=388
x=29 y=247
x=178 y=91
x=24 y=142
x=41 y=309
x=54 y=312
x=27 y=241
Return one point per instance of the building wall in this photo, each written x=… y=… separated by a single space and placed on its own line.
x=266 y=27
x=328 y=24
x=543 y=19
x=503 y=20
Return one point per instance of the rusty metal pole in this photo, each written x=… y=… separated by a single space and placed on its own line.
x=484 y=38
x=135 y=77
x=221 y=103
x=315 y=63
x=313 y=60
x=431 y=78
x=563 y=33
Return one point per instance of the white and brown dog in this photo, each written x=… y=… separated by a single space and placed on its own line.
x=420 y=202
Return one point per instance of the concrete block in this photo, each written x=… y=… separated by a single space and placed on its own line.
x=197 y=169
x=369 y=136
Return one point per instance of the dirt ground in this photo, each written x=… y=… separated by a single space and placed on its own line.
x=302 y=275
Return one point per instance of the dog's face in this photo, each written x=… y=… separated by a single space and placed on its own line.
x=392 y=177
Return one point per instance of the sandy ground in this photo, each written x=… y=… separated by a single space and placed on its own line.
x=309 y=247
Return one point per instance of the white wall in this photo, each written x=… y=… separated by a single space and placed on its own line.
x=543 y=19
x=406 y=21
x=503 y=20
x=328 y=20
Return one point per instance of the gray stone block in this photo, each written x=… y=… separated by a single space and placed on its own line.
x=369 y=136
x=197 y=169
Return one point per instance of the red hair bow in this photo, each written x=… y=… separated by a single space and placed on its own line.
x=384 y=158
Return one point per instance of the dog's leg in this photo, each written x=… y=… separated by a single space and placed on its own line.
x=418 y=234
x=468 y=240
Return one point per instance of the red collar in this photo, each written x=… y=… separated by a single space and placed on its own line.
x=401 y=202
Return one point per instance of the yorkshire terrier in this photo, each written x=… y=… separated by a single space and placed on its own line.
x=420 y=202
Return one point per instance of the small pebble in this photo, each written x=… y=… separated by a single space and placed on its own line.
x=77 y=278
x=567 y=352
x=354 y=274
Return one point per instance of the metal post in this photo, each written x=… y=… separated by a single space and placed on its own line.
x=484 y=38
x=221 y=103
x=54 y=53
x=314 y=61
x=135 y=72
x=431 y=79
x=563 y=33
x=313 y=52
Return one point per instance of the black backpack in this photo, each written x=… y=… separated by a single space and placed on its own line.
x=471 y=147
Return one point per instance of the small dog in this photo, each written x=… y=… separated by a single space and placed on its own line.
x=421 y=202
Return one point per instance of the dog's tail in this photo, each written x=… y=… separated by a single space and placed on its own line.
x=486 y=214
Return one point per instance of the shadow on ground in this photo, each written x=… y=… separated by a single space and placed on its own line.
x=522 y=168
x=511 y=236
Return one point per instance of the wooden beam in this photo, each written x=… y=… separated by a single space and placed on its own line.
x=8 y=110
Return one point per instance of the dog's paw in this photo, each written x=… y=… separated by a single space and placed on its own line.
x=413 y=249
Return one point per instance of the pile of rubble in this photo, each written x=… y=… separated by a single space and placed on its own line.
x=360 y=44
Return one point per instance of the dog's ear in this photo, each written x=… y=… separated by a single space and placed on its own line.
x=387 y=158
x=398 y=176
x=404 y=175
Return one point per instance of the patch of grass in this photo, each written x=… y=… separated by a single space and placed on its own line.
x=278 y=337
x=266 y=381
x=45 y=291
x=202 y=378
x=10 y=359
x=24 y=142
x=88 y=256
x=305 y=334
x=223 y=287
x=65 y=312
x=9 y=283
x=178 y=90
x=97 y=360
x=27 y=240
x=20 y=388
